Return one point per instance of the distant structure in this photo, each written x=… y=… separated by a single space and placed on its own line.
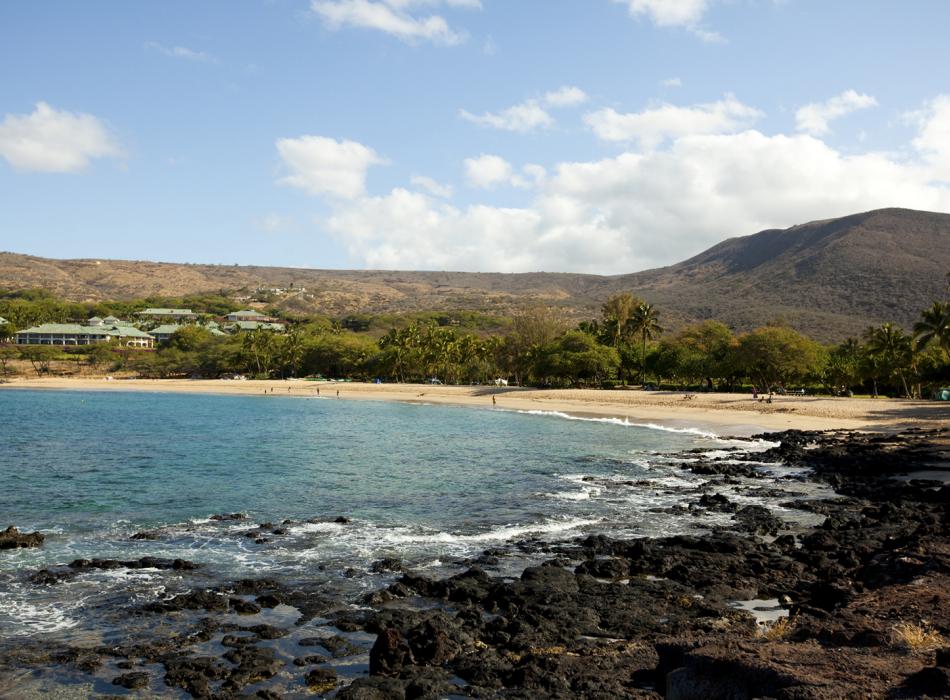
x=249 y=315
x=76 y=334
x=164 y=333
x=239 y=326
x=168 y=314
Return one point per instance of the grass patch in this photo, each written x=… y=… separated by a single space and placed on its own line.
x=916 y=638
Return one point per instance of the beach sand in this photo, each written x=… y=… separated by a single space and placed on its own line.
x=732 y=414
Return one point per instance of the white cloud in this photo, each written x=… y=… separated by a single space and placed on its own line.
x=655 y=125
x=645 y=209
x=523 y=117
x=669 y=13
x=181 y=52
x=675 y=13
x=394 y=17
x=933 y=138
x=671 y=82
x=321 y=165
x=813 y=118
x=55 y=141
x=487 y=170
x=431 y=186
x=530 y=114
x=565 y=96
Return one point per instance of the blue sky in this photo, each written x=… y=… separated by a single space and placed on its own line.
x=598 y=136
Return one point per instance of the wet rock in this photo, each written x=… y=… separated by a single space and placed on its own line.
x=51 y=577
x=717 y=503
x=224 y=517
x=194 y=600
x=758 y=520
x=266 y=631
x=310 y=660
x=374 y=688
x=148 y=535
x=235 y=641
x=132 y=681
x=432 y=643
x=194 y=674
x=341 y=520
x=269 y=600
x=388 y=564
x=389 y=654
x=254 y=664
x=604 y=568
x=244 y=607
x=86 y=660
x=12 y=538
x=321 y=680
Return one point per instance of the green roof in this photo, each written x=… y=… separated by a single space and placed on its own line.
x=246 y=312
x=76 y=329
x=3 y=320
x=216 y=332
x=166 y=329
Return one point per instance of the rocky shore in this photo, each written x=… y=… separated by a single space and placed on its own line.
x=856 y=607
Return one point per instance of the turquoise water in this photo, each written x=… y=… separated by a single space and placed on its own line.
x=431 y=485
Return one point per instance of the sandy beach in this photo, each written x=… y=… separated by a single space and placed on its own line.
x=732 y=414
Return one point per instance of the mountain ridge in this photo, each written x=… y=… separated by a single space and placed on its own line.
x=829 y=278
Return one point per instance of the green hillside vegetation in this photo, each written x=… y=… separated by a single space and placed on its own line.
x=538 y=346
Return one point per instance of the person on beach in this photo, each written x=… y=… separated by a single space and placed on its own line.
x=755 y=393
x=493 y=402
x=338 y=393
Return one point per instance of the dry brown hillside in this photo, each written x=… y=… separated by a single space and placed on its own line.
x=828 y=278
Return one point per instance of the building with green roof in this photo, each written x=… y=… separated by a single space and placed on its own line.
x=76 y=334
x=168 y=314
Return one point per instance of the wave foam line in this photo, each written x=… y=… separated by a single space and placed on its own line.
x=622 y=422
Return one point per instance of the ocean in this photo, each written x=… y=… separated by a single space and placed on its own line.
x=345 y=484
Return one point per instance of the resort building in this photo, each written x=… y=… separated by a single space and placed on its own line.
x=76 y=334
x=250 y=315
x=168 y=314
x=239 y=326
x=164 y=333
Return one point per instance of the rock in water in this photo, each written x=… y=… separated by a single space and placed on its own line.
x=11 y=538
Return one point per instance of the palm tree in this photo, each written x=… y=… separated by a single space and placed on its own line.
x=645 y=322
x=934 y=325
x=617 y=312
x=892 y=349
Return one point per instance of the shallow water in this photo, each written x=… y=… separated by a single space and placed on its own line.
x=430 y=485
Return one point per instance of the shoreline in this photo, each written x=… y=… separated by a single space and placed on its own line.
x=737 y=414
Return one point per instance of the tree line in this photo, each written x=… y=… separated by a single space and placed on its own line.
x=626 y=343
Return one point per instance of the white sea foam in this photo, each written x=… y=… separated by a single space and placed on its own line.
x=625 y=422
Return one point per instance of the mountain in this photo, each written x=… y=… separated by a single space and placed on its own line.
x=828 y=278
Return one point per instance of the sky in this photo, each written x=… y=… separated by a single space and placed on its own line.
x=597 y=136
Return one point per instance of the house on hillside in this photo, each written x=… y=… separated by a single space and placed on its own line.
x=168 y=314
x=164 y=333
x=76 y=334
x=239 y=326
x=249 y=315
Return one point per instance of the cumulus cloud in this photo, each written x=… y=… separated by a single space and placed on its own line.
x=182 y=52
x=398 y=18
x=55 y=141
x=431 y=186
x=649 y=208
x=488 y=171
x=320 y=165
x=531 y=114
x=657 y=124
x=566 y=96
x=674 y=13
x=933 y=138
x=813 y=118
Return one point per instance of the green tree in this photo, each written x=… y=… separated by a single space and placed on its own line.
x=934 y=327
x=776 y=355
x=40 y=356
x=645 y=323
x=893 y=350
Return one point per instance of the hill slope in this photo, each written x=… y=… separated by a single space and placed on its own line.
x=828 y=278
